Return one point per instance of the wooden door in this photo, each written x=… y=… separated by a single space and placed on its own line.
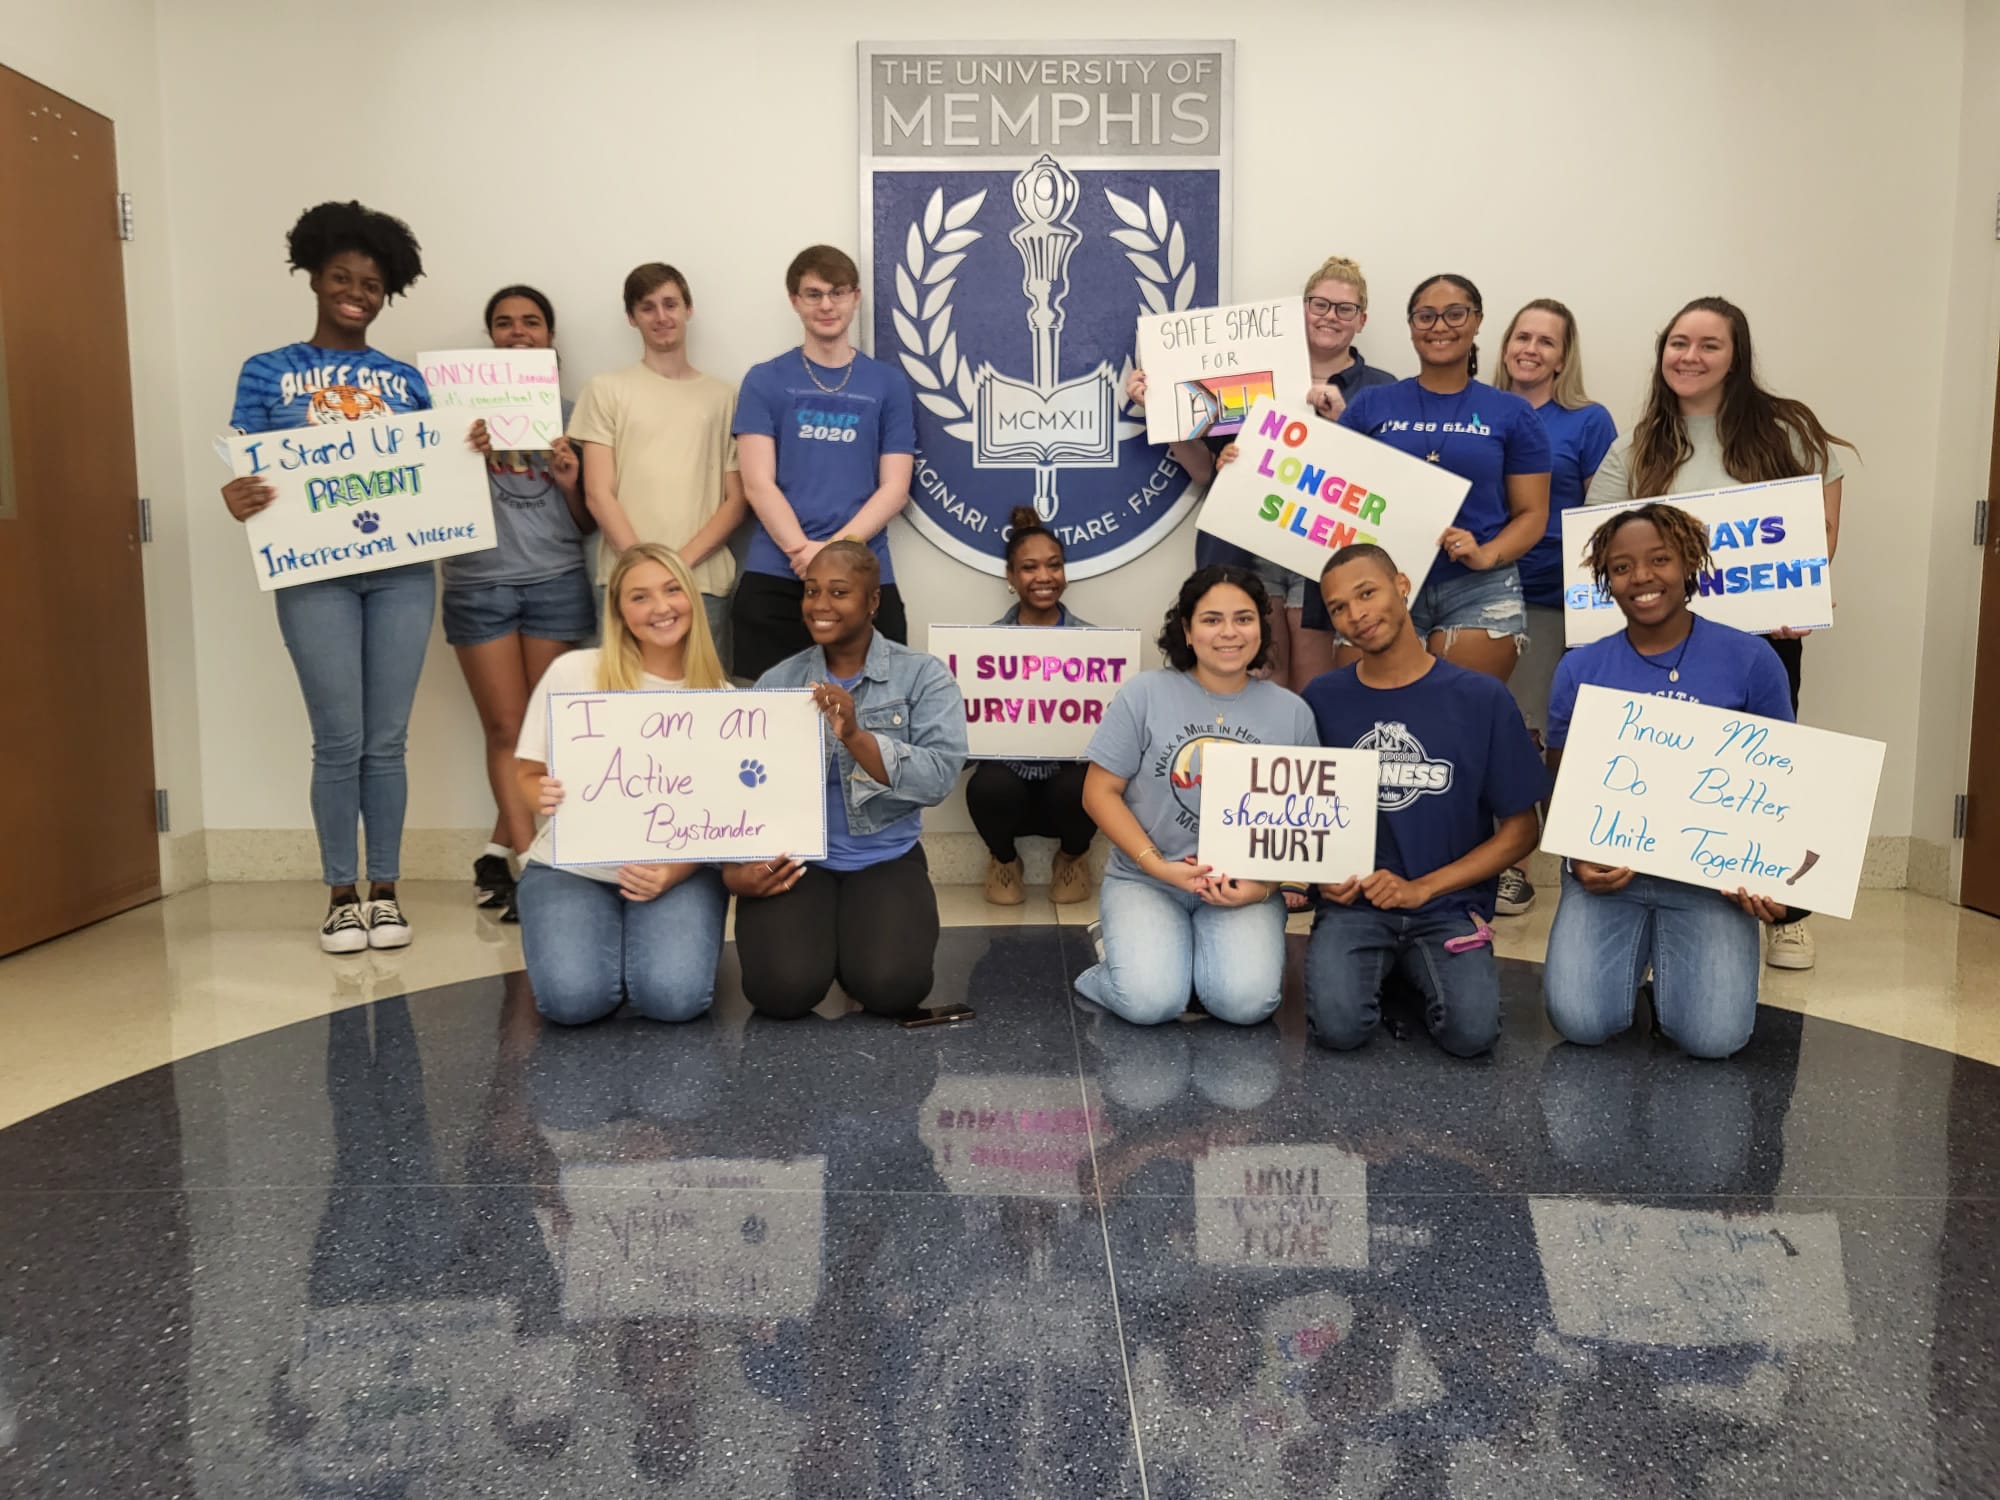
x=76 y=754
x=1979 y=872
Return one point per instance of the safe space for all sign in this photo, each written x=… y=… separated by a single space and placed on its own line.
x=1207 y=366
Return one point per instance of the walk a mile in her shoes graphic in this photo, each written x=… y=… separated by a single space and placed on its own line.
x=1021 y=209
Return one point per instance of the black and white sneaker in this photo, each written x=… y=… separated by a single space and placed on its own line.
x=387 y=927
x=1516 y=896
x=511 y=913
x=344 y=931
x=492 y=881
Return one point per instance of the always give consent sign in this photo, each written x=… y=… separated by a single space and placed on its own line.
x=1035 y=693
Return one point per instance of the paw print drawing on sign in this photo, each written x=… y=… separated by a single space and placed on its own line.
x=752 y=773
x=367 y=521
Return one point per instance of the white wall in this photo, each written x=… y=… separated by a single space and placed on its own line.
x=1804 y=161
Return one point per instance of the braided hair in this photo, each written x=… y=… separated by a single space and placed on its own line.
x=324 y=231
x=1685 y=537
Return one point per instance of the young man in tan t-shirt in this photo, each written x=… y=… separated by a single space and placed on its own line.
x=659 y=461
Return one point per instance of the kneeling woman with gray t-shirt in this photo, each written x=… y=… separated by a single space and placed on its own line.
x=1172 y=927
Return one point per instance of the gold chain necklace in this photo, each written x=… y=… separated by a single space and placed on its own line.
x=813 y=375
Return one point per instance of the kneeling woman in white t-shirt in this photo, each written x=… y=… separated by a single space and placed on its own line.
x=595 y=937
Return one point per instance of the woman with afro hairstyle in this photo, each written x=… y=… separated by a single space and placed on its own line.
x=356 y=642
x=1612 y=924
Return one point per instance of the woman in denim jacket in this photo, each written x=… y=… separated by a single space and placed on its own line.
x=866 y=914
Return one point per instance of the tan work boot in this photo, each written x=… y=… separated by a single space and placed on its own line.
x=1003 y=883
x=1069 y=879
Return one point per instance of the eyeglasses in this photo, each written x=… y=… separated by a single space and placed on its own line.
x=814 y=297
x=1319 y=307
x=1455 y=316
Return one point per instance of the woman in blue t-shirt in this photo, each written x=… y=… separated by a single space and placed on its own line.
x=1172 y=927
x=357 y=642
x=511 y=610
x=1612 y=923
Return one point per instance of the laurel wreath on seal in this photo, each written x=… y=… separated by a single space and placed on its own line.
x=933 y=251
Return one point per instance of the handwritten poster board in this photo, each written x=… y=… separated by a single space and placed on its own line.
x=1688 y=1279
x=517 y=391
x=1288 y=812
x=1715 y=798
x=1300 y=489
x=1206 y=367
x=670 y=776
x=1769 y=568
x=1033 y=693
x=357 y=496
x=1281 y=1207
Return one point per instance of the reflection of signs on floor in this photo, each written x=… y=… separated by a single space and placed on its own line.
x=1282 y=1207
x=706 y=1237
x=1684 y=1280
x=1011 y=1135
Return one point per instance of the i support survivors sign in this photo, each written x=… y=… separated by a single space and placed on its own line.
x=1034 y=693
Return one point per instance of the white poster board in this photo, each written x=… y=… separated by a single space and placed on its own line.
x=1301 y=488
x=1689 y=1279
x=652 y=777
x=1281 y=1207
x=517 y=391
x=1288 y=812
x=1769 y=568
x=357 y=496
x=1715 y=798
x=1033 y=693
x=1207 y=366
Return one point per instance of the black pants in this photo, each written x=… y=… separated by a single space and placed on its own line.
x=1006 y=805
x=875 y=930
x=1791 y=651
x=767 y=626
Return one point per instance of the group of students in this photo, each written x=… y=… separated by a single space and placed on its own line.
x=815 y=451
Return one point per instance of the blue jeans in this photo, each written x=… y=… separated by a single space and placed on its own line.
x=1702 y=950
x=357 y=644
x=589 y=948
x=1354 y=948
x=1162 y=945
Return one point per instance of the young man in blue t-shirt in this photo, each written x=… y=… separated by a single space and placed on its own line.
x=826 y=438
x=1456 y=760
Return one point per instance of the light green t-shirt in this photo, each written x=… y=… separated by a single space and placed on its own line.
x=1704 y=471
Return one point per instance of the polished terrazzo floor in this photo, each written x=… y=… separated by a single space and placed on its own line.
x=272 y=1225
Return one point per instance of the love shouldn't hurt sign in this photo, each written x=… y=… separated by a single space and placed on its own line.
x=359 y=496
x=667 y=777
x=1286 y=812
x=1768 y=567
x=1206 y=366
x=1715 y=798
x=1301 y=488
x=1033 y=693
x=517 y=391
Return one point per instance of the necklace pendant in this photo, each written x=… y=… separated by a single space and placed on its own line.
x=1675 y=675
x=1432 y=457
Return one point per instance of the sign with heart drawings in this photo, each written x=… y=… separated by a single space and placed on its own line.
x=517 y=391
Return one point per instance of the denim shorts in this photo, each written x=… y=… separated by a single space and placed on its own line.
x=1283 y=585
x=1491 y=601
x=556 y=609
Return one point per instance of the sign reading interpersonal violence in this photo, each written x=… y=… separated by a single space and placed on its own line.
x=1288 y=812
x=1716 y=798
x=1768 y=568
x=357 y=496
x=665 y=777
x=1033 y=693
x=1301 y=488
x=1206 y=366
x=517 y=391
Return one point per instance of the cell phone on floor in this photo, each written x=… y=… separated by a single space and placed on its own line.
x=944 y=1015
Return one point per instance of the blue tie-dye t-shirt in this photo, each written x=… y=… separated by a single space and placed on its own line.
x=303 y=385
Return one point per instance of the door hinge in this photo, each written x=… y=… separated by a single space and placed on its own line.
x=1958 y=815
x=145 y=519
x=160 y=817
x=126 y=228
x=1979 y=516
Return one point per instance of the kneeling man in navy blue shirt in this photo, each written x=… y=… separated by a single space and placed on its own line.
x=1460 y=781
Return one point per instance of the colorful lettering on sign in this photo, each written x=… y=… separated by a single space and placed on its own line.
x=1323 y=529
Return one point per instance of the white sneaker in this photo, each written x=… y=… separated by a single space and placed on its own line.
x=1791 y=946
x=387 y=927
x=344 y=930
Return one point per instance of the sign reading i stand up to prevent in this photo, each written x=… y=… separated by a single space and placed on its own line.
x=517 y=391
x=1768 y=566
x=1034 y=693
x=1288 y=812
x=669 y=776
x=1205 y=367
x=357 y=496
x=1716 y=798
x=1301 y=488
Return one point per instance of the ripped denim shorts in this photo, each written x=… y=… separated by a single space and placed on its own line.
x=1491 y=601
